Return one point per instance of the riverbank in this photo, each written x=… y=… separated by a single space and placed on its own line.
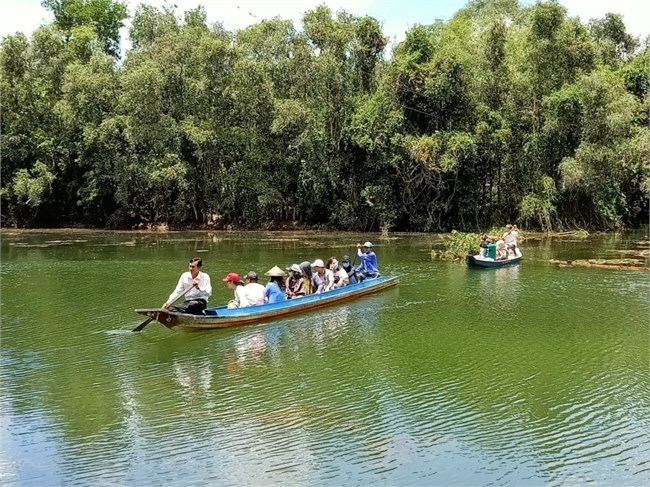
x=163 y=229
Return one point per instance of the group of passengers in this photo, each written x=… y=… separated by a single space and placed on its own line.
x=302 y=279
x=501 y=248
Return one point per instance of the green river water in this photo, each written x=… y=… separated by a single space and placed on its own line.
x=529 y=375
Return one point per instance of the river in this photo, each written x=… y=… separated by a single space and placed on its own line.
x=529 y=375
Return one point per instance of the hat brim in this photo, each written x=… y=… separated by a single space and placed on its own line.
x=275 y=272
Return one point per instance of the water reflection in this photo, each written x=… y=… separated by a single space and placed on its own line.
x=272 y=345
x=194 y=376
x=248 y=350
x=329 y=326
x=499 y=288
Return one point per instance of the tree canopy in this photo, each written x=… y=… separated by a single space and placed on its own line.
x=503 y=113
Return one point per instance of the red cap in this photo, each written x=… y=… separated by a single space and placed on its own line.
x=232 y=277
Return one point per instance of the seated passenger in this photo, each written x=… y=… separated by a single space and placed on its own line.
x=296 y=282
x=485 y=241
x=253 y=290
x=321 y=278
x=329 y=273
x=347 y=267
x=234 y=283
x=276 y=289
x=502 y=251
x=340 y=276
x=307 y=273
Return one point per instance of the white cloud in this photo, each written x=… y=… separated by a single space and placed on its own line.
x=22 y=16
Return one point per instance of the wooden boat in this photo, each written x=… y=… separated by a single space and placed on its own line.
x=479 y=261
x=222 y=317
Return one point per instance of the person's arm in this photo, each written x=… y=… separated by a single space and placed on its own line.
x=204 y=284
x=240 y=294
x=345 y=280
x=329 y=277
x=180 y=289
x=235 y=301
x=290 y=285
x=267 y=291
x=320 y=284
x=301 y=289
x=363 y=266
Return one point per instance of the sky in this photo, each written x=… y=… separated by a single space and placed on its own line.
x=396 y=16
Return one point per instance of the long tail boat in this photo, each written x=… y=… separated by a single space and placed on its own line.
x=222 y=317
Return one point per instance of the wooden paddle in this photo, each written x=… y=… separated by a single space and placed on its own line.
x=354 y=272
x=356 y=254
x=141 y=326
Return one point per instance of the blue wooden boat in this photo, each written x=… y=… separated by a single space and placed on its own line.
x=478 y=261
x=222 y=317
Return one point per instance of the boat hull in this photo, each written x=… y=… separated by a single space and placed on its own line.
x=222 y=317
x=473 y=261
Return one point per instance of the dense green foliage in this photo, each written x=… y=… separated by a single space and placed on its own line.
x=501 y=113
x=458 y=245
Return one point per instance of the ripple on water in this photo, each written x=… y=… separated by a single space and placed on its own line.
x=536 y=375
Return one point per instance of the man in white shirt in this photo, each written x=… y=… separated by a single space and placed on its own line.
x=253 y=290
x=510 y=238
x=195 y=286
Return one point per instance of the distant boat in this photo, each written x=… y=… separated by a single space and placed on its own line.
x=480 y=261
x=222 y=317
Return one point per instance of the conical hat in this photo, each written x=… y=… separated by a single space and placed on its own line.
x=275 y=272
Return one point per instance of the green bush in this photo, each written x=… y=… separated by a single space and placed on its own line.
x=459 y=244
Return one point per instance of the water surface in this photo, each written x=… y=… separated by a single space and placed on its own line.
x=527 y=375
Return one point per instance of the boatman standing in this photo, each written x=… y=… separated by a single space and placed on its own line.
x=368 y=266
x=196 y=287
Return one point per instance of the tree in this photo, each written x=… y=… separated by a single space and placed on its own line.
x=105 y=17
x=503 y=112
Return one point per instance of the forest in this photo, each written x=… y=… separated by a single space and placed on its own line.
x=503 y=113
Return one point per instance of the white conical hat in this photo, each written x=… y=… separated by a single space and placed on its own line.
x=275 y=272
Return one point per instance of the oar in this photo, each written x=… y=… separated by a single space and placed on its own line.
x=141 y=326
x=356 y=254
x=354 y=272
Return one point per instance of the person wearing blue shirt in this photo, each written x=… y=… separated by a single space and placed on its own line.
x=276 y=289
x=368 y=266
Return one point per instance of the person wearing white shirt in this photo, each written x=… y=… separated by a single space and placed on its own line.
x=195 y=286
x=234 y=283
x=253 y=290
x=339 y=276
x=323 y=278
x=510 y=238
